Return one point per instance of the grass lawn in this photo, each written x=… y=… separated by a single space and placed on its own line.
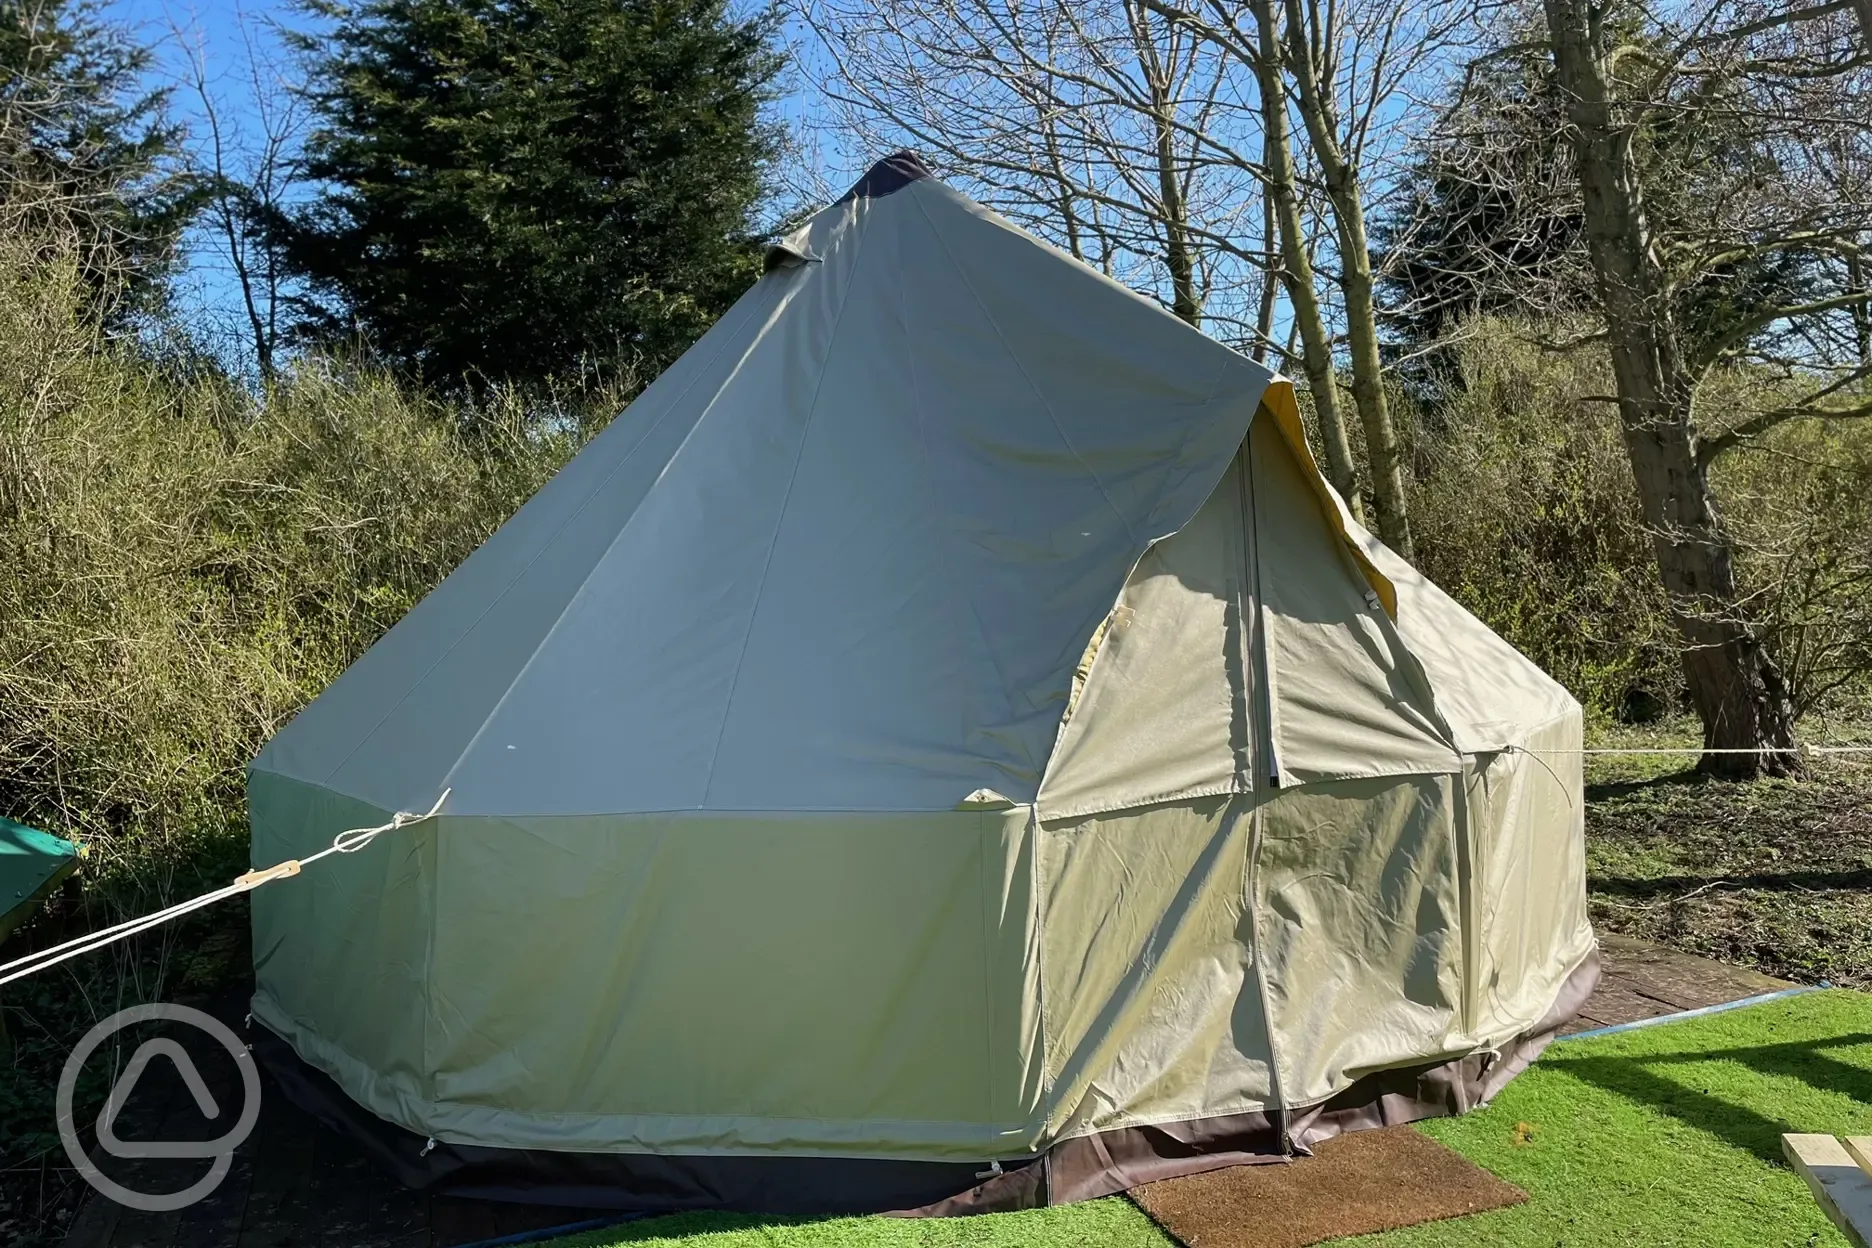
x=1664 y=1136
x=1775 y=875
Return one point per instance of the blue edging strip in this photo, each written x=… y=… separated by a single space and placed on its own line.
x=1678 y=1017
x=552 y=1232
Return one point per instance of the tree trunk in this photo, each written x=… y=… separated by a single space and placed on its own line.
x=1186 y=300
x=1297 y=266
x=1861 y=315
x=1737 y=689
x=1346 y=196
x=1270 y=278
x=1179 y=257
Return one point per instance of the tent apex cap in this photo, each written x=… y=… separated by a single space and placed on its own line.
x=893 y=173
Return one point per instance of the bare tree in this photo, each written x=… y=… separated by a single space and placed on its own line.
x=1100 y=126
x=1798 y=191
x=1296 y=265
x=1141 y=142
x=1345 y=67
x=1313 y=55
x=249 y=173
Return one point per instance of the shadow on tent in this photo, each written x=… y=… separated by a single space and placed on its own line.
x=1637 y=1079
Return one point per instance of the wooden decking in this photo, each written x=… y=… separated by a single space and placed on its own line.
x=296 y=1184
x=1639 y=980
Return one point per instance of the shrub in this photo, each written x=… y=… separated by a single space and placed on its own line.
x=183 y=564
x=1525 y=512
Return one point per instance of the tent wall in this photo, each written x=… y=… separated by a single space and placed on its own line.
x=1348 y=697
x=1152 y=1013
x=347 y=942
x=1231 y=954
x=794 y=984
x=1164 y=712
x=1488 y=692
x=1259 y=597
x=1358 y=902
x=1528 y=820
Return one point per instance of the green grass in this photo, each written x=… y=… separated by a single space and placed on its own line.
x=1110 y=1223
x=1664 y=1136
x=1774 y=875
x=1669 y=1135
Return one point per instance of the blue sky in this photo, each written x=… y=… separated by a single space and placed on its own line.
x=230 y=40
x=237 y=43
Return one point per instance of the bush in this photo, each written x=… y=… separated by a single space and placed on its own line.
x=1525 y=511
x=184 y=564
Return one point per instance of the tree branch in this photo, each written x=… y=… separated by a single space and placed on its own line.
x=1755 y=426
x=1753 y=325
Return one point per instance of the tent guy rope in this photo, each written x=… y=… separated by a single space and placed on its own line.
x=353 y=839
x=347 y=842
x=1697 y=749
x=1636 y=750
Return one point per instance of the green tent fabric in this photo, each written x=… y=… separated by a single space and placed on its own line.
x=794 y=813
x=32 y=864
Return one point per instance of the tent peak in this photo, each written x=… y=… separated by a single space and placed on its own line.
x=885 y=177
x=893 y=173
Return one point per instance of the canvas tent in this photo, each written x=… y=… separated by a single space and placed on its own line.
x=943 y=746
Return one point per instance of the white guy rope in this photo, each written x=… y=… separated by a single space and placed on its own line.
x=347 y=842
x=1697 y=749
x=1693 y=749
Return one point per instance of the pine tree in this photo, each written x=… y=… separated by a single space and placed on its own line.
x=521 y=188
x=85 y=148
x=1489 y=221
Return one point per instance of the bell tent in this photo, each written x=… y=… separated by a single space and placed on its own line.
x=944 y=746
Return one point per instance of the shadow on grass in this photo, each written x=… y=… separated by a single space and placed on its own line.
x=1625 y=788
x=1765 y=882
x=1637 y=1079
x=672 y=1225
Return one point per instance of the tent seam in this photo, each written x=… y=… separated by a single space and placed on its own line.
x=1036 y=881
x=786 y=500
x=540 y=554
x=1232 y=789
x=989 y=926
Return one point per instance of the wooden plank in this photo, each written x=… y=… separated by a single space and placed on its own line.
x=1859 y=1147
x=1614 y=1003
x=95 y=1224
x=1667 y=973
x=1839 y=1185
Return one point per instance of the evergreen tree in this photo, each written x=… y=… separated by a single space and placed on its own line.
x=84 y=146
x=518 y=188
x=1489 y=221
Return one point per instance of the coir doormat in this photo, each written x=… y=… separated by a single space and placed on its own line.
x=1354 y=1185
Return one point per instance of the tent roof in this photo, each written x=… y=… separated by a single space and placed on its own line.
x=844 y=554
